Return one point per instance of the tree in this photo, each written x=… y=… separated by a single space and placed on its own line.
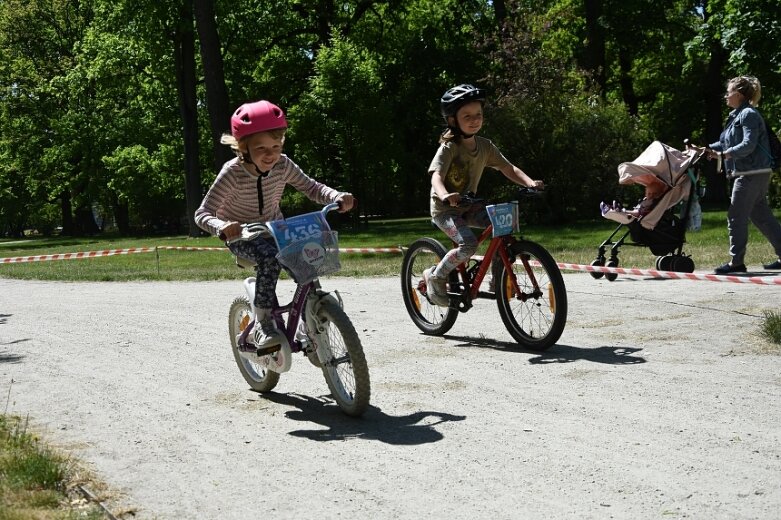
x=217 y=102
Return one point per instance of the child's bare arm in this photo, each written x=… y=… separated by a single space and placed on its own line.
x=518 y=176
x=438 y=184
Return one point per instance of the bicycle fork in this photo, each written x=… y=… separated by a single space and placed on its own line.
x=315 y=330
x=517 y=292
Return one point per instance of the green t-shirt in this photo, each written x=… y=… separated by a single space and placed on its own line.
x=462 y=169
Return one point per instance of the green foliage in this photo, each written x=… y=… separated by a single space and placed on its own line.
x=341 y=104
x=90 y=117
x=771 y=327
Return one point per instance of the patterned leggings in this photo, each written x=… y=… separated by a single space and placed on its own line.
x=261 y=250
x=458 y=229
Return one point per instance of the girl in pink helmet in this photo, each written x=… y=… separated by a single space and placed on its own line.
x=248 y=189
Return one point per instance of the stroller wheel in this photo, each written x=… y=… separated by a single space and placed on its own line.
x=599 y=262
x=682 y=264
x=611 y=276
x=665 y=263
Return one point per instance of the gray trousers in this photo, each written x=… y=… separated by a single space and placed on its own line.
x=749 y=202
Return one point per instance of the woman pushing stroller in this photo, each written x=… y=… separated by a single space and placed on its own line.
x=745 y=149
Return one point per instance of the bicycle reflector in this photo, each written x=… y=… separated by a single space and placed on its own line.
x=551 y=298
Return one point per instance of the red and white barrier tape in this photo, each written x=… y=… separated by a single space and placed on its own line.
x=759 y=280
x=75 y=256
x=113 y=252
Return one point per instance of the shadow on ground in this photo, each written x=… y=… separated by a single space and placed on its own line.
x=557 y=353
x=374 y=425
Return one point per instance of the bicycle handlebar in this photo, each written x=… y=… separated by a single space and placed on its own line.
x=252 y=230
x=524 y=192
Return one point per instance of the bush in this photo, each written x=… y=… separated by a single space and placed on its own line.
x=575 y=149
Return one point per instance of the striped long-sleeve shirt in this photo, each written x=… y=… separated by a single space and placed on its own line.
x=234 y=195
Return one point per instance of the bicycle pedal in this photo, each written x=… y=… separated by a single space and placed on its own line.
x=265 y=351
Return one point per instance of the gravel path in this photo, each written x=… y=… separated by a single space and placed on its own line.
x=660 y=401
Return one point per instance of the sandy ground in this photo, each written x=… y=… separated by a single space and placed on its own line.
x=659 y=401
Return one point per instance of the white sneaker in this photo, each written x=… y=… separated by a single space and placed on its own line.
x=436 y=287
x=267 y=337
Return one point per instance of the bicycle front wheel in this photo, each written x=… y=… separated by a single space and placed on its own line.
x=428 y=317
x=345 y=369
x=534 y=317
x=258 y=378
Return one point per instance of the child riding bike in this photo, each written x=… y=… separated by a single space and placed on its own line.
x=248 y=189
x=457 y=168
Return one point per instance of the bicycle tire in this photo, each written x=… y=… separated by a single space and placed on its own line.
x=427 y=316
x=535 y=321
x=345 y=370
x=258 y=378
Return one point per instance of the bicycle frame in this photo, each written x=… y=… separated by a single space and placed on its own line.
x=294 y=309
x=496 y=246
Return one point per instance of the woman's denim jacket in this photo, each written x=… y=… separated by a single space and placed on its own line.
x=743 y=132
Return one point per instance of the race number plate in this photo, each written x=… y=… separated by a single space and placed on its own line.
x=504 y=218
x=302 y=228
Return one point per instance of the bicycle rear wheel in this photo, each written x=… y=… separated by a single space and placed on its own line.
x=258 y=378
x=428 y=317
x=534 y=318
x=345 y=369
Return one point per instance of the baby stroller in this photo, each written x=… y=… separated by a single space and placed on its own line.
x=665 y=174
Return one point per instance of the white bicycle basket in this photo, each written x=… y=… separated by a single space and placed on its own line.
x=311 y=258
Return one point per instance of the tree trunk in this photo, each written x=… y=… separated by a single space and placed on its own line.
x=500 y=10
x=68 y=227
x=594 y=52
x=184 y=59
x=714 y=104
x=214 y=78
x=627 y=85
x=121 y=215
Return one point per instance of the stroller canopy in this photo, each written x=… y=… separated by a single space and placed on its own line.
x=664 y=168
x=659 y=162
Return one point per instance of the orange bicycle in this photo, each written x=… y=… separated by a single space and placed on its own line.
x=530 y=291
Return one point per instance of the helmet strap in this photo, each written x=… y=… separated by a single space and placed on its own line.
x=261 y=176
x=247 y=158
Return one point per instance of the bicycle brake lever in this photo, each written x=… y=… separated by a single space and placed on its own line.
x=527 y=191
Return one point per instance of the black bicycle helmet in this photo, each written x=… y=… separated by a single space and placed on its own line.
x=459 y=96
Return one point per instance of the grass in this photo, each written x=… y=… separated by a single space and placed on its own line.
x=576 y=243
x=36 y=481
x=771 y=327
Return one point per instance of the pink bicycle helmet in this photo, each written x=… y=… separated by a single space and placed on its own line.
x=260 y=116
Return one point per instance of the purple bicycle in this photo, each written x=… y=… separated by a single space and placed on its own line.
x=316 y=323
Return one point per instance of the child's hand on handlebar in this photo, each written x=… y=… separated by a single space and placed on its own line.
x=452 y=198
x=346 y=202
x=538 y=185
x=230 y=231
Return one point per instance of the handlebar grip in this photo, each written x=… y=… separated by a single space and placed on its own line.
x=330 y=207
